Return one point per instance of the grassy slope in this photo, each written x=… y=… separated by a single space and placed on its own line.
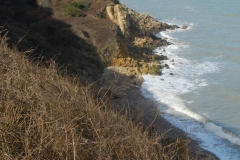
x=45 y=115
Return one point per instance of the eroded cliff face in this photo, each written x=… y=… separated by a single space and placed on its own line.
x=135 y=39
x=133 y=24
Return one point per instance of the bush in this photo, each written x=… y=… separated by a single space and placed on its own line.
x=81 y=6
x=73 y=11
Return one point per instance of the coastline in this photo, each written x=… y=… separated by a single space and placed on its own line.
x=199 y=65
x=128 y=99
x=129 y=38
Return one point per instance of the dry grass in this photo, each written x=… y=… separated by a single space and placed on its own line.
x=45 y=115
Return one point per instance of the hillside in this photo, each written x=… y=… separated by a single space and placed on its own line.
x=46 y=114
x=58 y=99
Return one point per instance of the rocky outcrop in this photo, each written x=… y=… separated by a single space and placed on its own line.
x=133 y=24
x=135 y=40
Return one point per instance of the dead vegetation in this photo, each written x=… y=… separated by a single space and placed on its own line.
x=44 y=114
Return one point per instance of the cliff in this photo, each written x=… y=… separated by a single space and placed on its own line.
x=135 y=39
x=106 y=35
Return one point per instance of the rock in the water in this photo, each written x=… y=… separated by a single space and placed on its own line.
x=184 y=27
x=159 y=57
x=173 y=27
x=167 y=66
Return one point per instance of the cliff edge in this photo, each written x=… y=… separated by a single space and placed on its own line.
x=105 y=47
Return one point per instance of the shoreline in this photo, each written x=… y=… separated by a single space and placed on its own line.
x=129 y=41
x=122 y=79
x=129 y=100
x=128 y=44
x=215 y=139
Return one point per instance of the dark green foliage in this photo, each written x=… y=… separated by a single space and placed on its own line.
x=81 y=6
x=75 y=9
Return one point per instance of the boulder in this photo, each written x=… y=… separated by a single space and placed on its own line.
x=184 y=27
x=159 y=57
x=167 y=66
x=173 y=27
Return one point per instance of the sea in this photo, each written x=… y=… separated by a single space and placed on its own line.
x=200 y=92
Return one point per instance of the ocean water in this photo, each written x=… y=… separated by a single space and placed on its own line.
x=202 y=97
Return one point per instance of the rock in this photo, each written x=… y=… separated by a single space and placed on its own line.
x=154 y=70
x=171 y=74
x=184 y=27
x=173 y=27
x=167 y=66
x=138 y=29
x=132 y=23
x=119 y=14
x=164 y=42
x=138 y=81
x=159 y=57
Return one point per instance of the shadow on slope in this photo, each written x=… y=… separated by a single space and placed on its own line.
x=50 y=38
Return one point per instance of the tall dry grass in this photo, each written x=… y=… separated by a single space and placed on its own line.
x=47 y=115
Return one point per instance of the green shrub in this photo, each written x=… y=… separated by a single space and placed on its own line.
x=81 y=6
x=73 y=11
x=76 y=9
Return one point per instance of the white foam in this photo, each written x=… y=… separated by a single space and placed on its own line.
x=166 y=89
x=218 y=130
x=163 y=35
x=176 y=112
x=184 y=66
x=206 y=139
x=166 y=92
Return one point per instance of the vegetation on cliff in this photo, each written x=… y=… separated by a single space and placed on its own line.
x=51 y=105
x=76 y=9
x=45 y=114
